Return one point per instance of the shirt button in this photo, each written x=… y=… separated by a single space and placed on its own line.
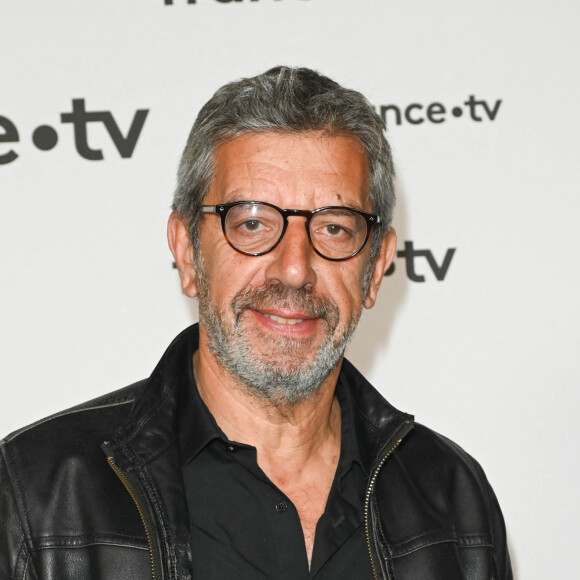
x=281 y=507
x=231 y=448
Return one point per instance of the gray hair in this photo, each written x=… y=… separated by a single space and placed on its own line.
x=290 y=100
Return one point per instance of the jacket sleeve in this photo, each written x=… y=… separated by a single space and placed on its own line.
x=503 y=569
x=13 y=549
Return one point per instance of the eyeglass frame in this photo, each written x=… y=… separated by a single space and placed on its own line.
x=222 y=210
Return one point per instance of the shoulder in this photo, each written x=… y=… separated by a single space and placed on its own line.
x=434 y=504
x=441 y=487
x=100 y=410
x=431 y=453
x=441 y=471
x=56 y=489
x=61 y=451
x=69 y=435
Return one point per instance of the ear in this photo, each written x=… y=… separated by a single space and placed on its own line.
x=182 y=250
x=384 y=259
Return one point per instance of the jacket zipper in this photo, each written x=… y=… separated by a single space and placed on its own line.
x=403 y=431
x=141 y=511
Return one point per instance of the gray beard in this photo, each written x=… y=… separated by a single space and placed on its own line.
x=282 y=376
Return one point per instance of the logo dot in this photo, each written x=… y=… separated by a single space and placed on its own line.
x=457 y=111
x=44 y=137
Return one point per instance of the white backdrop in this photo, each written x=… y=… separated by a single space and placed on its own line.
x=488 y=355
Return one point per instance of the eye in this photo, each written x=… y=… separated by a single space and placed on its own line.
x=251 y=225
x=334 y=230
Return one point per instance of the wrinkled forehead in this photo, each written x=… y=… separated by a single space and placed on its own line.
x=306 y=167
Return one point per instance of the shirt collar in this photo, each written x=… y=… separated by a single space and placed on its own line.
x=352 y=450
x=196 y=425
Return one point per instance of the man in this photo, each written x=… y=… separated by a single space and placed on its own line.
x=255 y=450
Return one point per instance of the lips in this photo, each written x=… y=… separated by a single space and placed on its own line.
x=291 y=308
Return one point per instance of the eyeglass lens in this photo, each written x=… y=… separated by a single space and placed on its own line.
x=255 y=228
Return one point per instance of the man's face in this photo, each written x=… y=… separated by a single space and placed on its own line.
x=279 y=323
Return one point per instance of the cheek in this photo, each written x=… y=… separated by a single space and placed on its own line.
x=230 y=272
x=345 y=289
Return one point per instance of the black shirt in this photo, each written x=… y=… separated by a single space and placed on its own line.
x=244 y=528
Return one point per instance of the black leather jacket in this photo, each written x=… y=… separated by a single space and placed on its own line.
x=70 y=512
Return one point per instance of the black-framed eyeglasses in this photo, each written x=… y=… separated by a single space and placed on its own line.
x=255 y=228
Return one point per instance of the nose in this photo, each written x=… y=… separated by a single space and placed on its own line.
x=291 y=260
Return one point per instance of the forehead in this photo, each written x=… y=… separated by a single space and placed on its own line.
x=301 y=168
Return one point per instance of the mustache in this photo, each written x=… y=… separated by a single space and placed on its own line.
x=280 y=296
